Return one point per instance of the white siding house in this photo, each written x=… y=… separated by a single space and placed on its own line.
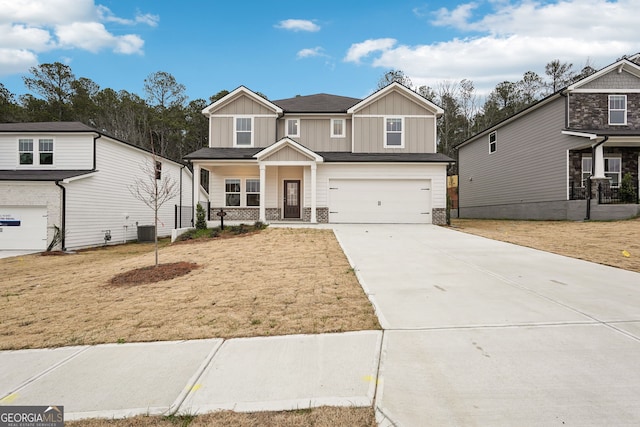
x=84 y=190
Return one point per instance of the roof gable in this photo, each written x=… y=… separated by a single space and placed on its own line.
x=630 y=69
x=403 y=90
x=236 y=94
x=291 y=148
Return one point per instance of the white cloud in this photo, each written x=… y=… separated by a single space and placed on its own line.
x=298 y=25
x=515 y=37
x=358 y=51
x=29 y=27
x=311 y=52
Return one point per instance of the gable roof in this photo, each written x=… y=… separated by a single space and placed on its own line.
x=318 y=103
x=41 y=175
x=287 y=142
x=46 y=127
x=395 y=86
x=230 y=97
x=622 y=65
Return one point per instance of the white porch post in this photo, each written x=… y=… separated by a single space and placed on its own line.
x=263 y=198
x=196 y=191
x=598 y=162
x=313 y=193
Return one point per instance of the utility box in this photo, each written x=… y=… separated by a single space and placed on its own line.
x=146 y=233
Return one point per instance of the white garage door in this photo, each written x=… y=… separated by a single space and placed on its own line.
x=380 y=201
x=23 y=227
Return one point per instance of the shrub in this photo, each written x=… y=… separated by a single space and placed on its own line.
x=259 y=225
x=627 y=190
x=201 y=223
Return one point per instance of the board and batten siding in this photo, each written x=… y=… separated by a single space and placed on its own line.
x=221 y=131
x=243 y=105
x=103 y=200
x=437 y=173
x=70 y=151
x=394 y=103
x=287 y=154
x=529 y=164
x=419 y=135
x=315 y=134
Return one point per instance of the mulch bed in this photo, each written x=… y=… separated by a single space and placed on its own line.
x=154 y=274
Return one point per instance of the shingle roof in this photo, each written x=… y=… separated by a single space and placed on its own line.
x=223 y=154
x=46 y=127
x=319 y=103
x=40 y=175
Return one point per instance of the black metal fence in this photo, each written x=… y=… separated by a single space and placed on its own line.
x=606 y=193
x=183 y=216
x=577 y=192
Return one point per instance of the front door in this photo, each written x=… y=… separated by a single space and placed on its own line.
x=292 y=199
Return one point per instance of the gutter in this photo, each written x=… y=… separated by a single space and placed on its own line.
x=63 y=218
x=95 y=138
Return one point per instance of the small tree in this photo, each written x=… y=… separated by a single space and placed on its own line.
x=627 y=190
x=154 y=189
x=201 y=223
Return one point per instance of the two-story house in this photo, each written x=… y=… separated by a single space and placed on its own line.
x=562 y=158
x=69 y=176
x=325 y=158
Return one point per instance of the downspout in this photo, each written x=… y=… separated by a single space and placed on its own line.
x=64 y=214
x=95 y=161
x=593 y=171
x=193 y=179
x=180 y=212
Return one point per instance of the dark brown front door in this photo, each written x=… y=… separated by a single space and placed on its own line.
x=292 y=199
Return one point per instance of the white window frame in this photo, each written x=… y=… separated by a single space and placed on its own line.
x=609 y=173
x=344 y=128
x=41 y=151
x=493 y=145
x=247 y=192
x=286 y=128
x=385 y=132
x=586 y=173
x=624 y=110
x=239 y=192
x=21 y=151
x=235 y=131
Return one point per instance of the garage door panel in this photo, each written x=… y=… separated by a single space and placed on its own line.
x=23 y=227
x=380 y=201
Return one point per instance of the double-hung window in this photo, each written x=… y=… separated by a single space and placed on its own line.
x=393 y=132
x=292 y=127
x=338 y=128
x=586 y=170
x=617 y=109
x=45 y=147
x=25 y=151
x=612 y=170
x=252 y=187
x=243 y=131
x=493 y=142
x=232 y=192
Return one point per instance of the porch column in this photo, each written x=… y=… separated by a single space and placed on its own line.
x=196 y=191
x=313 y=193
x=598 y=162
x=263 y=198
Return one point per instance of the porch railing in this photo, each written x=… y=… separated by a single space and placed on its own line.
x=606 y=194
x=577 y=191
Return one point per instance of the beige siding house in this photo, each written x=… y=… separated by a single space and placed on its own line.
x=325 y=158
x=564 y=157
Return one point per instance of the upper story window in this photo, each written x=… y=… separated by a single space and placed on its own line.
x=244 y=131
x=25 y=151
x=292 y=127
x=394 y=137
x=338 y=128
x=617 y=109
x=493 y=142
x=30 y=153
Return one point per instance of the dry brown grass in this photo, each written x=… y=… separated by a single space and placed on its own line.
x=600 y=242
x=317 y=417
x=277 y=282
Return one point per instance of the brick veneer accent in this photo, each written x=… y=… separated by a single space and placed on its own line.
x=439 y=216
x=272 y=214
x=237 y=214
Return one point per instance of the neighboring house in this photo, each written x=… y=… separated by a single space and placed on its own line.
x=71 y=176
x=325 y=158
x=538 y=163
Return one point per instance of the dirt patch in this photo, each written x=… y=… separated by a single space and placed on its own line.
x=276 y=282
x=613 y=243
x=152 y=274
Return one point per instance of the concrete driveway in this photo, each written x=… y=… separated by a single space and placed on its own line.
x=480 y=332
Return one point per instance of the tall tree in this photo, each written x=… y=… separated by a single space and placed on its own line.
x=83 y=100
x=9 y=109
x=54 y=82
x=560 y=74
x=395 y=76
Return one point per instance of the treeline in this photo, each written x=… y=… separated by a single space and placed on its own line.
x=163 y=120
x=466 y=113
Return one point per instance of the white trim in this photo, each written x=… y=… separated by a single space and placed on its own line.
x=288 y=163
x=612 y=91
x=344 y=128
x=286 y=127
x=495 y=141
x=230 y=116
x=79 y=177
x=235 y=131
x=609 y=110
x=228 y=98
x=419 y=99
x=225 y=192
x=591 y=136
x=384 y=130
x=621 y=65
x=291 y=143
x=409 y=116
x=35 y=152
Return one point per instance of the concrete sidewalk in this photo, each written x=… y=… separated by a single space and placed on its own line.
x=192 y=377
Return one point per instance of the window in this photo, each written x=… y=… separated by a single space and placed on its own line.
x=612 y=169
x=45 y=146
x=244 y=136
x=586 y=170
x=493 y=138
x=617 y=109
x=393 y=131
x=158 y=170
x=252 y=187
x=25 y=150
x=232 y=192
x=338 y=128
x=293 y=127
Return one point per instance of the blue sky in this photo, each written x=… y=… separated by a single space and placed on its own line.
x=284 y=48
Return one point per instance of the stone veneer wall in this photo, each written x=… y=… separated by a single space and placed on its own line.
x=590 y=111
x=322 y=215
x=439 y=216
x=629 y=157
